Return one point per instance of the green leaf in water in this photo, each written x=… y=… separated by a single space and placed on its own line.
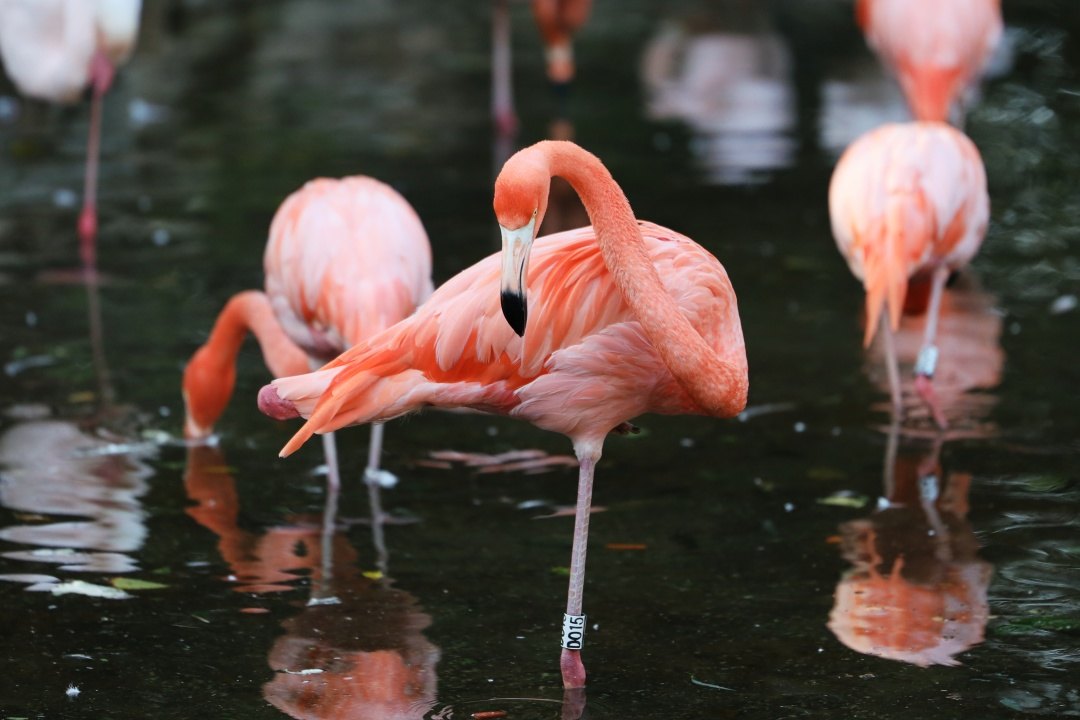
x=1045 y=483
x=563 y=571
x=845 y=499
x=125 y=583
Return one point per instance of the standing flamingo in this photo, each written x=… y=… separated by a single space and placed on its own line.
x=908 y=205
x=937 y=48
x=557 y=21
x=51 y=50
x=628 y=318
x=346 y=259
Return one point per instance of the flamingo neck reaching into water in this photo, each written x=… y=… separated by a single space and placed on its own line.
x=717 y=387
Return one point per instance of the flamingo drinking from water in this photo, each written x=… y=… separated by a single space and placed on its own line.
x=346 y=259
x=51 y=49
x=626 y=318
x=937 y=48
x=908 y=204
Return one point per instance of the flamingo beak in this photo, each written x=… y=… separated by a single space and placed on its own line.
x=516 y=245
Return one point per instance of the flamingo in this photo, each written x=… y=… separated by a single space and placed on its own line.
x=346 y=259
x=937 y=48
x=908 y=205
x=557 y=21
x=51 y=50
x=629 y=317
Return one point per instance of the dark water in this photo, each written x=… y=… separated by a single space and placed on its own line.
x=755 y=533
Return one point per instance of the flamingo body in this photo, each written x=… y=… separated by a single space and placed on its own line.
x=908 y=205
x=48 y=46
x=572 y=373
x=904 y=199
x=937 y=48
x=345 y=258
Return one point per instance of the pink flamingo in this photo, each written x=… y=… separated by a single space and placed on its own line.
x=908 y=205
x=346 y=259
x=51 y=50
x=937 y=48
x=557 y=21
x=630 y=318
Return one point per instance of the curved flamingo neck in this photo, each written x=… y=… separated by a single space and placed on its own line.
x=251 y=311
x=717 y=387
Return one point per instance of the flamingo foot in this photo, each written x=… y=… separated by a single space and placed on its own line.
x=573 y=671
x=924 y=386
x=272 y=404
x=573 y=704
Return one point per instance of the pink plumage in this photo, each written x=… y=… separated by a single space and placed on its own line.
x=937 y=48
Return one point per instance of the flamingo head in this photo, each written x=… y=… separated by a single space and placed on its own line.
x=521 y=198
x=207 y=386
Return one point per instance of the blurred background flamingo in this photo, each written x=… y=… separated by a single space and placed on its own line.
x=938 y=49
x=346 y=259
x=52 y=49
x=616 y=290
x=908 y=206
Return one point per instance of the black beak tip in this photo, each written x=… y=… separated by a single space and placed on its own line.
x=515 y=311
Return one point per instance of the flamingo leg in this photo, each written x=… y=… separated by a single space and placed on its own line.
x=372 y=480
x=928 y=354
x=333 y=477
x=101 y=74
x=573 y=671
x=502 y=87
x=892 y=367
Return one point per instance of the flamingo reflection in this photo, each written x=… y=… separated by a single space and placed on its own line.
x=728 y=77
x=917 y=590
x=53 y=468
x=357 y=650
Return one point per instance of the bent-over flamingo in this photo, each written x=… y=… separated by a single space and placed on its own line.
x=51 y=50
x=937 y=48
x=908 y=205
x=627 y=318
x=346 y=259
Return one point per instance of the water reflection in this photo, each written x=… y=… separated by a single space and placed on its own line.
x=51 y=467
x=727 y=74
x=856 y=98
x=357 y=650
x=971 y=359
x=917 y=590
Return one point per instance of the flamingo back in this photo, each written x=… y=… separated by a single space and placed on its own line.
x=906 y=198
x=345 y=260
x=936 y=47
x=583 y=348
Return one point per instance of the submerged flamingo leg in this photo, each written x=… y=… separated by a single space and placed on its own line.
x=927 y=360
x=573 y=671
x=101 y=75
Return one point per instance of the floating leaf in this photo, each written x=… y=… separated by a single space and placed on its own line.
x=373 y=574
x=126 y=583
x=564 y=571
x=626 y=546
x=844 y=499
